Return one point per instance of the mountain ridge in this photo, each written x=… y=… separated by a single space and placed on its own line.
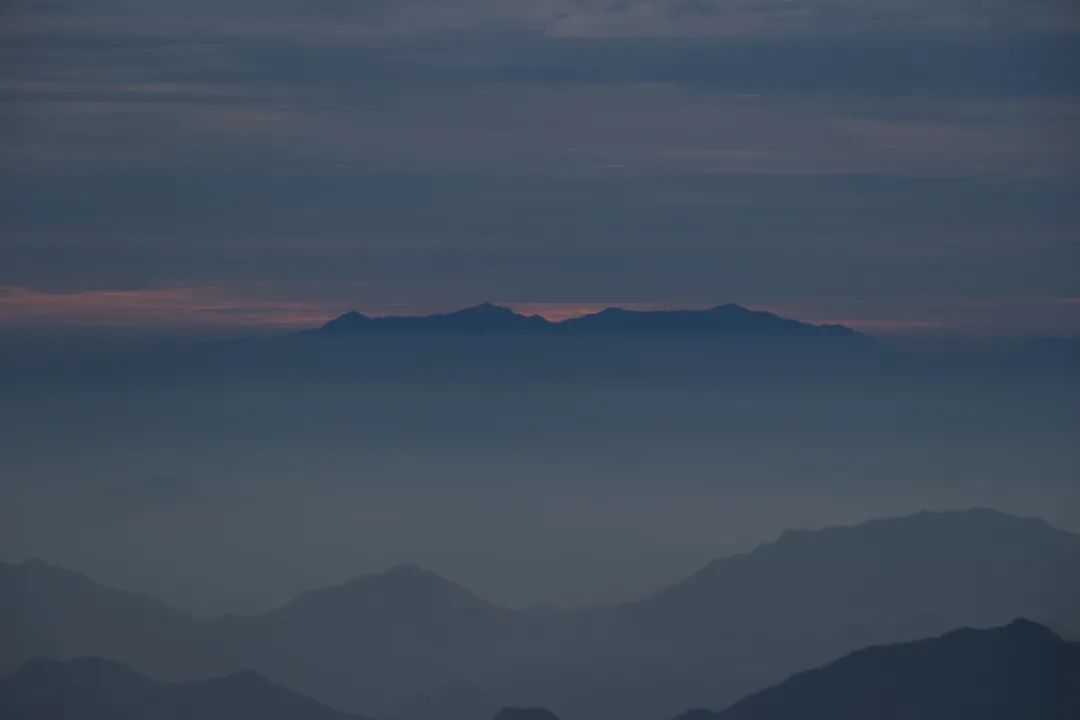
x=1021 y=669
x=90 y=688
x=371 y=643
x=729 y=320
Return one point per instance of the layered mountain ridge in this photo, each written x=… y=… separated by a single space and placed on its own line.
x=373 y=644
x=488 y=319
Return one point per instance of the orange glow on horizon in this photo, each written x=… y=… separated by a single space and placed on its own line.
x=559 y=311
x=172 y=307
x=258 y=308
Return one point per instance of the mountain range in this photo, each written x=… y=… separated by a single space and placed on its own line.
x=96 y=689
x=406 y=642
x=1021 y=670
x=487 y=342
x=487 y=319
x=475 y=344
x=50 y=611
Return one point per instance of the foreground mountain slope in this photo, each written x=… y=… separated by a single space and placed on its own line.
x=1021 y=670
x=95 y=689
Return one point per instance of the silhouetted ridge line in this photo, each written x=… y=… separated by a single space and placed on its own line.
x=722 y=320
x=406 y=583
x=1021 y=670
x=485 y=318
x=407 y=640
x=97 y=689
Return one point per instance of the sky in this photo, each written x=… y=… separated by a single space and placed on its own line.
x=221 y=168
x=899 y=165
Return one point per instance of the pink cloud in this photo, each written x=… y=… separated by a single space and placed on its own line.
x=173 y=307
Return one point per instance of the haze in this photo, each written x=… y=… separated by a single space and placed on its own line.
x=561 y=301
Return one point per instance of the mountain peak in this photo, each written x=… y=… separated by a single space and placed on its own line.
x=410 y=579
x=1025 y=625
x=407 y=570
x=405 y=586
x=402 y=575
x=485 y=318
x=346 y=323
x=1030 y=630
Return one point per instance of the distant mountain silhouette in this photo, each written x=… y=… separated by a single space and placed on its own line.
x=398 y=641
x=404 y=591
x=932 y=565
x=720 y=321
x=488 y=342
x=513 y=713
x=96 y=689
x=49 y=611
x=479 y=319
x=1018 y=671
x=813 y=595
x=732 y=320
x=371 y=642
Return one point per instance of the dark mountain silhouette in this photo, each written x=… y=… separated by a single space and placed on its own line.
x=404 y=591
x=722 y=320
x=479 y=319
x=485 y=343
x=514 y=713
x=814 y=595
x=390 y=641
x=96 y=689
x=730 y=320
x=1021 y=670
x=49 y=611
